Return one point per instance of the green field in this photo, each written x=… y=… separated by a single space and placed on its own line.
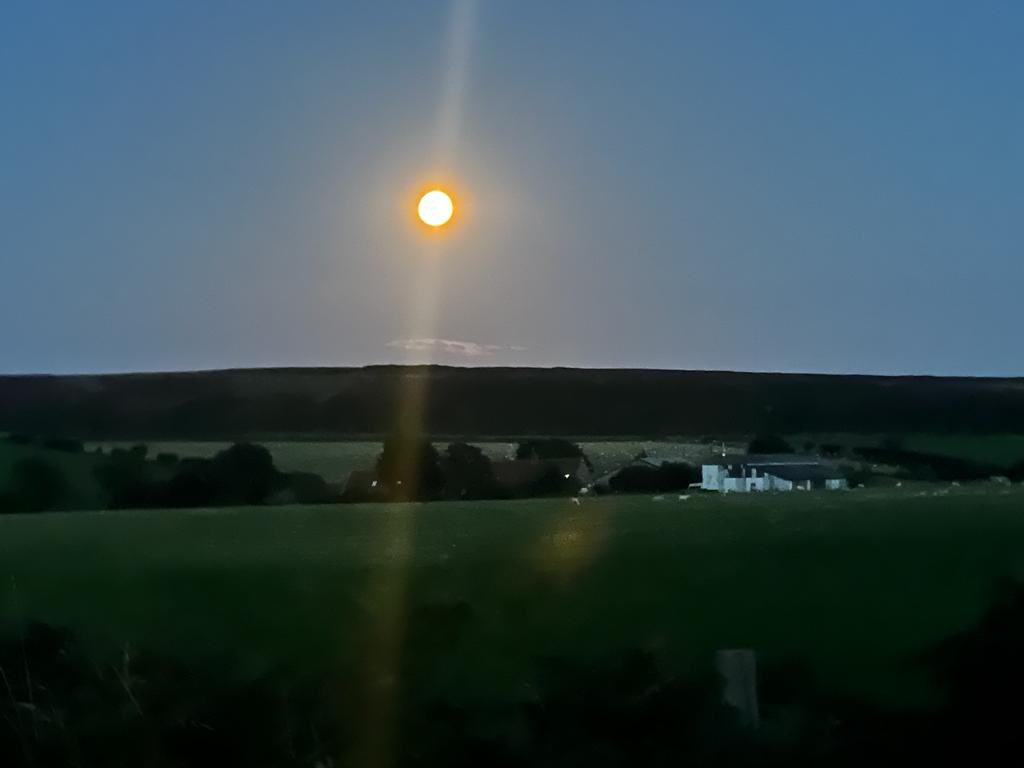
x=465 y=598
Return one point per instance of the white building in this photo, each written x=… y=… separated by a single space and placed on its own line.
x=742 y=473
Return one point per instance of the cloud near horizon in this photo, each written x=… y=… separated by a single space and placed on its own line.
x=451 y=347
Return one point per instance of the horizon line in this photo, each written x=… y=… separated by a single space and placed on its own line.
x=602 y=369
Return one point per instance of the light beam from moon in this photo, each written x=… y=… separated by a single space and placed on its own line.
x=387 y=630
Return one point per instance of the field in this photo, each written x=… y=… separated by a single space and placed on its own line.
x=466 y=598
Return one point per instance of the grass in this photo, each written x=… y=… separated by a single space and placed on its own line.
x=999 y=450
x=461 y=600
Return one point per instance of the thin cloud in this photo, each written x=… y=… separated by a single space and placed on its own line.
x=452 y=347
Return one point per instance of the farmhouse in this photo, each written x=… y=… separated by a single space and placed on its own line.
x=742 y=473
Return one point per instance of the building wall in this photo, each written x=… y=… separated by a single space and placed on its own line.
x=716 y=478
x=774 y=483
x=711 y=477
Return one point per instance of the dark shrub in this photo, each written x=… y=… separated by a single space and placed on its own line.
x=125 y=480
x=928 y=466
x=37 y=485
x=553 y=483
x=309 y=488
x=167 y=457
x=244 y=474
x=672 y=476
x=551 y=448
x=468 y=473
x=20 y=439
x=409 y=468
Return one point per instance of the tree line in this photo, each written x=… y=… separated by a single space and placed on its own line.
x=409 y=468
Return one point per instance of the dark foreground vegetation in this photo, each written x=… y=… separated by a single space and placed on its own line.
x=409 y=468
x=501 y=401
x=49 y=476
x=61 y=707
x=57 y=473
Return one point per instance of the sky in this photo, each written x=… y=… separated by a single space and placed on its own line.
x=790 y=186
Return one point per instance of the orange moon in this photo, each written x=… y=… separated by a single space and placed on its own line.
x=435 y=208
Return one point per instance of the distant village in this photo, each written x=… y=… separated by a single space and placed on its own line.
x=559 y=467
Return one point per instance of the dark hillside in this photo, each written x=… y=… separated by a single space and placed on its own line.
x=501 y=401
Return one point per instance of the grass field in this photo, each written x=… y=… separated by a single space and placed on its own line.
x=463 y=599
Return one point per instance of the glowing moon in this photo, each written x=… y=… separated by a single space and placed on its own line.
x=435 y=208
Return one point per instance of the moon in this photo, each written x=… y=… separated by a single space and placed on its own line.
x=435 y=208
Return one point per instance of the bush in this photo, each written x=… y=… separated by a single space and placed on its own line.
x=242 y=474
x=671 y=476
x=551 y=448
x=308 y=488
x=468 y=473
x=37 y=485
x=19 y=439
x=245 y=474
x=409 y=468
x=167 y=457
x=928 y=466
x=553 y=483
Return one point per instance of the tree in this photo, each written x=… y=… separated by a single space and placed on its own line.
x=245 y=474
x=37 y=485
x=409 y=468
x=551 y=448
x=769 y=444
x=468 y=473
x=670 y=476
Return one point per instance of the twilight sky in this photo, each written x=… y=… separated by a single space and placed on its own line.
x=800 y=186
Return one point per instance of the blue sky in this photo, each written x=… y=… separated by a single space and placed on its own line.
x=797 y=186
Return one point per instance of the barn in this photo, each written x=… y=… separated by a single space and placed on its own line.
x=743 y=473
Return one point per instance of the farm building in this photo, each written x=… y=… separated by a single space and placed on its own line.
x=741 y=473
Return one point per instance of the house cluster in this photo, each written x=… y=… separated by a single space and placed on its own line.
x=743 y=473
x=725 y=473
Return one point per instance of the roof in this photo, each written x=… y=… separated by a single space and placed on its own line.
x=799 y=473
x=761 y=460
x=519 y=472
x=658 y=461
